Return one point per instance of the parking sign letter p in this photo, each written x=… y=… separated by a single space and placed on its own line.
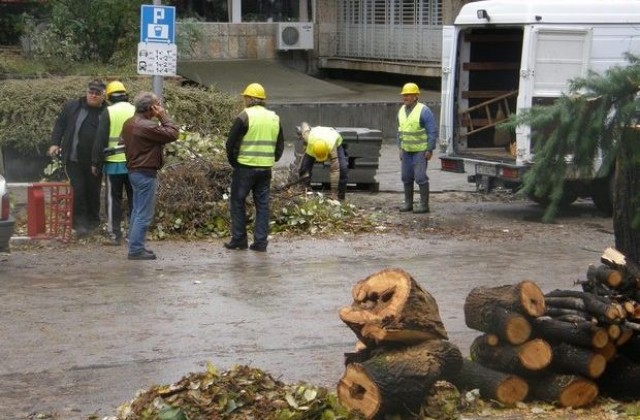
x=158 y=14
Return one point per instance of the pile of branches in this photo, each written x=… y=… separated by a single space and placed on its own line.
x=194 y=189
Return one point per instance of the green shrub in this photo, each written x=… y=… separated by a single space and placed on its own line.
x=29 y=108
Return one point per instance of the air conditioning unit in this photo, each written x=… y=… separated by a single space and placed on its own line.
x=295 y=36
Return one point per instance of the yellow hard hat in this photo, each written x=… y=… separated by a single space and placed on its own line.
x=114 y=87
x=410 y=89
x=255 y=90
x=320 y=150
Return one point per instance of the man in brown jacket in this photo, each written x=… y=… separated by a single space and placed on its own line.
x=144 y=139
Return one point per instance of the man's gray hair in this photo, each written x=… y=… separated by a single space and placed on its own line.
x=144 y=100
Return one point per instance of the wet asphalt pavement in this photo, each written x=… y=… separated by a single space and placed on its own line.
x=83 y=328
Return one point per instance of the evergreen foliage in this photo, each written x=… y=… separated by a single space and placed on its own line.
x=583 y=123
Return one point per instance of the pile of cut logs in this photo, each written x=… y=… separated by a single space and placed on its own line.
x=402 y=348
x=565 y=346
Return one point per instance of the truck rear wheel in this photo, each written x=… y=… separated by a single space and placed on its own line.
x=568 y=197
x=602 y=196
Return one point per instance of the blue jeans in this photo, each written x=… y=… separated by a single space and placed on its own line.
x=243 y=181
x=144 y=203
x=414 y=168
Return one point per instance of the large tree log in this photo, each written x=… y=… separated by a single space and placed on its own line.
x=503 y=387
x=533 y=355
x=565 y=390
x=583 y=334
x=389 y=306
x=524 y=297
x=396 y=380
x=621 y=380
x=508 y=325
x=576 y=360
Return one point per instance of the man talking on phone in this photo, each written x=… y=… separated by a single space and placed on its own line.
x=144 y=136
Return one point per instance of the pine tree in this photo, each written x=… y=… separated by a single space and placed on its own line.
x=598 y=114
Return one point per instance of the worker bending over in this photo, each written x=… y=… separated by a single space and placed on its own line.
x=326 y=143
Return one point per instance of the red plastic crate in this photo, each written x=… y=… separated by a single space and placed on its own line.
x=50 y=210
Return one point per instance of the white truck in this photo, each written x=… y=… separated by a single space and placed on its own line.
x=503 y=56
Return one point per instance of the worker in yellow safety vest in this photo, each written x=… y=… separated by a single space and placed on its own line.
x=109 y=158
x=254 y=144
x=322 y=144
x=417 y=134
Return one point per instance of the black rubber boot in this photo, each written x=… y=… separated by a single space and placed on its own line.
x=408 y=198
x=342 y=192
x=423 y=207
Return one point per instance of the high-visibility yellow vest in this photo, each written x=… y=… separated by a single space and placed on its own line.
x=413 y=138
x=118 y=114
x=258 y=147
x=327 y=134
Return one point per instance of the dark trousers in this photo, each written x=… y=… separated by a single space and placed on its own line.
x=115 y=186
x=86 y=195
x=243 y=181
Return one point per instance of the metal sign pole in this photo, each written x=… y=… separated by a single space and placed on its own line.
x=157 y=81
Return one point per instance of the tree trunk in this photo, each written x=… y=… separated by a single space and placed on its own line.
x=566 y=390
x=627 y=190
x=582 y=334
x=525 y=298
x=509 y=326
x=531 y=356
x=577 y=360
x=396 y=380
x=389 y=306
x=505 y=388
x=621 y=380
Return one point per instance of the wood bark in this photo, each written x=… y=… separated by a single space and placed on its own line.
x=571 y=359
x=389 y=306
x=525 y=298
x=395 y=380
x=508 y=325
x=626 y=190
x=621 y=380
x=582 y=334
x=606 y=275
x=566 y=390
x=508 y=389
x=531 y=356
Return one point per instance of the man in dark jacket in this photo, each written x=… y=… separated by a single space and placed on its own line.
x=144 y=139
x=72 y=139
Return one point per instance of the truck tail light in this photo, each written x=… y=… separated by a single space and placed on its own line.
x=452 y=165
x=510 y=173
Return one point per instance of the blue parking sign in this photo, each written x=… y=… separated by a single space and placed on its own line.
x=158 y=24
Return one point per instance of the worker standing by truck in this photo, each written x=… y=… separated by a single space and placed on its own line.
x=417 y=135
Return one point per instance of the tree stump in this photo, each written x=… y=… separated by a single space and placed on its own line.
x=505 y=388
x=566 y=390
x=396 y=380
x=531 y=356
x=525 y=298
x=389 y=306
